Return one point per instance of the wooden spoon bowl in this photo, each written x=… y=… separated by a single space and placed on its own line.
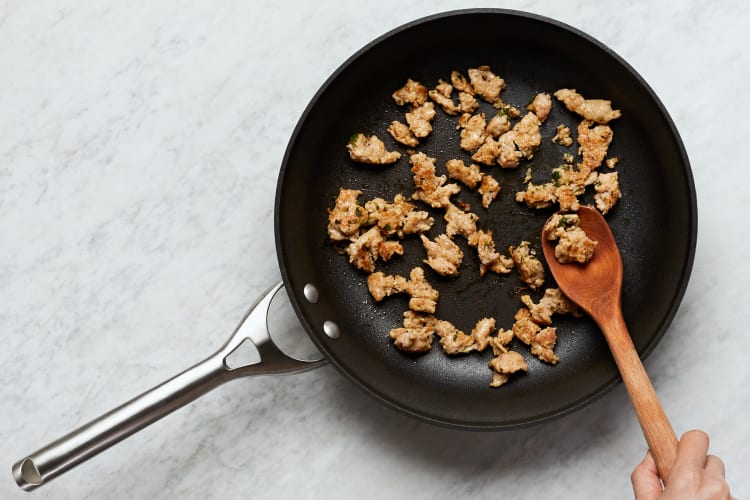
x=595 y=287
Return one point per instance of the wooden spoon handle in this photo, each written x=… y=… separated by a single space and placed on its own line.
x=656 y=428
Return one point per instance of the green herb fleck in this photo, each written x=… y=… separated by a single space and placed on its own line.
x=564 y=222
x=353 y=139
x=455 y=336
x=388 y=228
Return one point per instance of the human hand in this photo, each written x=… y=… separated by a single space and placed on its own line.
x=695 y=474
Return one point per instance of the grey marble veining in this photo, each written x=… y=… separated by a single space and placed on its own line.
x=139 y=148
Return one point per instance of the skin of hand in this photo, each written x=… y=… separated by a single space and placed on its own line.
x=695 y=474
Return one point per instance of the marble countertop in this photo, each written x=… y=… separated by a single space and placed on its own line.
x=140 y=144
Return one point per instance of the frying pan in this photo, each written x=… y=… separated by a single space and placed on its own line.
x=655 y=224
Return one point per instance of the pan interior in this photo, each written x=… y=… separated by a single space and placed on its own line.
x=654 y=223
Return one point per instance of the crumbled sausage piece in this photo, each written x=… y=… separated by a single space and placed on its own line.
x=541 y=105
x=419 y=119
x=573 y=245
x=527 y=136
x=541 y=341
x=403 y=134
x=467 y=103
x=481 y=333
x=347 y=216
x=412 y=339
x=423 y=296
x=442 y=97
x=416 y=222
x=397 y=218
x=460 y=222
x=367 y=248
x=598 y=110
x=489 y=188
x=416 y=335
x=454 y=341
x=543 y=345
x=507 y=154
x=538 y=195
x=486 y=83
x=443 y=255
x=460 y=83
x=472 y=133
x=553 y=302
x=501 y=339
x=470 y=176
x=530 y=268
x=431 y=188
x=594 y=142
x=498 y=125
x=611 y=162
x=562 y=136
x=488 y=152
x=489 y=259
x=505 y=364
x=413 y=93
x=607 y=189
x=370 y=150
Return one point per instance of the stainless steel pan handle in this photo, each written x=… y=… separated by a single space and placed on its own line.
x=224 y=365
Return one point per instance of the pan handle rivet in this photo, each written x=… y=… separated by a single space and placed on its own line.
x=311 y=293
x=331 y=329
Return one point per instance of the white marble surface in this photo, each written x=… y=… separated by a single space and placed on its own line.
x=139 y=148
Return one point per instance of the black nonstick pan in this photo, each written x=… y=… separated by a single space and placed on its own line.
x=655 y=224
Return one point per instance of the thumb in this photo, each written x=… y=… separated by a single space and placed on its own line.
x=645 y=479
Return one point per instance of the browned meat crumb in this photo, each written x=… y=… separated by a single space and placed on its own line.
x=489 y=189
x=541 y=341
x=541 y=105
x=416 y=222
x=431 y=188
x=419 y=119
x=489 y=259
x=530 y=268
x=504 y=365
x=470 y=176
x=611 y=162
x=598 y=110
x=538 y=195
x=460 y=83
x=573 y=245
x=467 y=103
x=403 y=134
x=607 y=189
x=416 y=335
x=370 y=150
x=527 y=178
x=441 y=95
x=488 y=152
x=454 y=341
x=562 y=136
x=498 y=125
x=481 y=333
x=527 y=136
x=443 y=255
x=594 y=142
x=398 y=218
x=423 y=296
x=553 y=302
x=507 y=154
x=413 y=93
x=367 y=248
x=472 y=133
x=486 y=83
x=460 y=222
x=412 y=339
x=347 y=216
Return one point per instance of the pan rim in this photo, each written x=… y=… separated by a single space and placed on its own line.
x=607 y=385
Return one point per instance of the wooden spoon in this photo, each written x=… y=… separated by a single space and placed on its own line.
x=595 y=287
